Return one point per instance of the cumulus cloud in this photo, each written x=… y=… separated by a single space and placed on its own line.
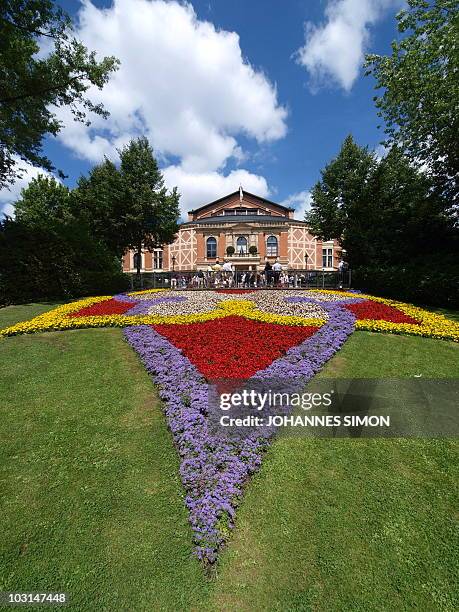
x=300 y=201
x=182 y=83
x=9 y=196
x=199 y=188
x=334 y=51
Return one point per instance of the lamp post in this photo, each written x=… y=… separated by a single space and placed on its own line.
x=173 y=263
x=305 y=261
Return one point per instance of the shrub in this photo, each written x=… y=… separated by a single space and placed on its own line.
x=230 y=250
x=253 y=250
x=432 y=281
x=56 y=260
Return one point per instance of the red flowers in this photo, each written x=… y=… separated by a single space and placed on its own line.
x=108 y=307
x=377 y=310
x=233 y=347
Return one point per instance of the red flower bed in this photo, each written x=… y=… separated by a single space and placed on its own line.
x=235 y=291
x=377 y=310
x=109 y=307
x=233 y=347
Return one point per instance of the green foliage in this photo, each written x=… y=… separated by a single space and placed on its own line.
x=31 y=84
x=420 y=100
x=338 y=193
x=230 y=250
x=434 y=282
x=253 y=249
x=384 y=213
x=151 y=212
x=128 y=207
x=99 y=200
x=55 y=259
x=44 y=199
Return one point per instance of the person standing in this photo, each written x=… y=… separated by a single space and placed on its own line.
x=277 y=269
x=268 y=272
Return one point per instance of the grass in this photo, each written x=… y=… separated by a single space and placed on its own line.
x=92 y=502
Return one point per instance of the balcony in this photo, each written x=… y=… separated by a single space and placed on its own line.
x=242 y=255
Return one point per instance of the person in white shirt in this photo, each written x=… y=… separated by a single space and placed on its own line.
x=277 y=269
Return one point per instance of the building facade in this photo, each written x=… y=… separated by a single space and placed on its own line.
x=244 y=229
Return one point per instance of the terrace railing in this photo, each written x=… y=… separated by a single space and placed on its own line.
x=242 y=279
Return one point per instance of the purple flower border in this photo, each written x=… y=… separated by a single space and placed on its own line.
x=214 y=469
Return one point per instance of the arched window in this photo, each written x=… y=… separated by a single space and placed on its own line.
x=271 y=246
x=136 y=260
x=241 y=245
x=211 y=247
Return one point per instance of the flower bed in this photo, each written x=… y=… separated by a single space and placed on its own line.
x=186 y=339
x=375 y=310
x=233 y=347
x=214 y=469
x=107 y=307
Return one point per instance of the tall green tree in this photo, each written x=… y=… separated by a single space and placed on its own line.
x=44 y=199
x=31 y=84
x=338 y=194
x=99 y=199
x=382 y=212
x=128 y=207
x=152 y=213
x=420 y=98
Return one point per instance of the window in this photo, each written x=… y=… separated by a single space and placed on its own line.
x=136 y=260
x=271 y=246
x=241 y=245
x=157 y=260
x=327 y=258
x=211 y=248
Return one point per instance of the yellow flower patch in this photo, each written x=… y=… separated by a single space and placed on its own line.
x=430 y=324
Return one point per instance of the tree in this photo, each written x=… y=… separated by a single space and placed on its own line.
x=151 y=212
x=99 y=200
x=128 y=207
x=338 y=193
x=54 y=259
x=43 y=199
x=421 y=90
x=398 y=217
x=382 y=212
x=31 y=84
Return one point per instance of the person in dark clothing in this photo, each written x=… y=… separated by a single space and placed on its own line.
x=268 y=272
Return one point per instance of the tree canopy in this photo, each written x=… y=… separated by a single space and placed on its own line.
x=420 y=98
x=381 y=211
x=33 y=83
x=128 y=207
x=43 y=199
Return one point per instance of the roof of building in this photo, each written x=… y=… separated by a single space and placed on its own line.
x=229 y=195
x=242 y=219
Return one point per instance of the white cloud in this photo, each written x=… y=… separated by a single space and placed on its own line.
x=200 y=188
x=11 y=195
x=380 y=152
x=335 y=50
x=182 y=83
x=300 y=201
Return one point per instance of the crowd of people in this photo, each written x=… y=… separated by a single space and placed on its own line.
x=225 y=277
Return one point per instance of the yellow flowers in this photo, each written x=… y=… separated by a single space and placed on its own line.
x=430 y=324
x=54 y=319
x=249 y=310
x=144 y=292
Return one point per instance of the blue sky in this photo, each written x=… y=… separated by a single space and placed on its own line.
x=260 y=92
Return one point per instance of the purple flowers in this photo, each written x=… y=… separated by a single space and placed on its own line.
x=215 y=467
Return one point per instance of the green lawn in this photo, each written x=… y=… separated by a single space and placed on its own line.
x=92 y=503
